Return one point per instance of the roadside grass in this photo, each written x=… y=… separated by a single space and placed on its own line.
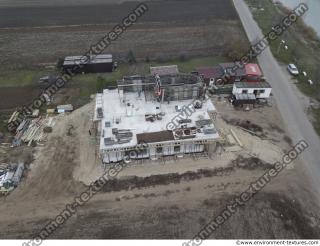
x=189 y=65
x=316 y=115
x=303 y=48
x=13 y=78
x=303 y=45
x=92 y=83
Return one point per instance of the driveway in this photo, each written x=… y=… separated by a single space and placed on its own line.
x=292 y=111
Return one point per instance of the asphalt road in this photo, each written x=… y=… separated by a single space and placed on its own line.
x=292 y=111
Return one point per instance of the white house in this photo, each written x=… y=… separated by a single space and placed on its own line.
x=261 y=90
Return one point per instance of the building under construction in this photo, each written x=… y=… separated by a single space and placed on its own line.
x=169 y=114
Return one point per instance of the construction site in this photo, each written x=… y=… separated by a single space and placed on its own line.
x=144 y=109
x=155 y=118
x=189 y=141
x=210 y=150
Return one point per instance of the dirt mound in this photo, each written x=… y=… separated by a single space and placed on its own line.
x=135 y=182
x=250 y=163
x=246 y=124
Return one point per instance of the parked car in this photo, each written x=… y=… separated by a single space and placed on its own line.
x=292 y=69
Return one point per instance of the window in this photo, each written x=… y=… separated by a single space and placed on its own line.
x=244 y=91
x=262 y=91
x=176 y=148
x=159 y=150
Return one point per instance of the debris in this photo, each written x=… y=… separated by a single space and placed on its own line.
x=14 y=116
x=69 y=133
x=18 y=174
x=32 y=130
x=47 y=129
x=35 y=113
x=236 y=138
x=10 y=176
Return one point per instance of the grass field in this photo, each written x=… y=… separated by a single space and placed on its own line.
x=13 y=78
x=167 y=30
x=93 y=83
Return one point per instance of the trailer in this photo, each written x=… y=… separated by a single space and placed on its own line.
x=261 y=90
x=88 y=64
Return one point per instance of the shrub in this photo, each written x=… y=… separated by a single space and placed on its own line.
x=130 y=57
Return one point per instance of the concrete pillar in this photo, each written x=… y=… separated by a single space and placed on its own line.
x=211 y=148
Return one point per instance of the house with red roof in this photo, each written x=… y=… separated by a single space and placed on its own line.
x=228 y=73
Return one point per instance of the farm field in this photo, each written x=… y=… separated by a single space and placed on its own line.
x=166 y=31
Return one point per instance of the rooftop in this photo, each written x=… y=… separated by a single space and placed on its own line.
x=219 y=70
x=232 y=69
x=76 y=60
x=139 y=120
x=252 y=85
x=210 y=72
x=253 y=69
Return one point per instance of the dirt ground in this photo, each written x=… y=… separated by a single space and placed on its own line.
x=174 y=202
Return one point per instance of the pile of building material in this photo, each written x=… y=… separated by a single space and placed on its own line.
x=10 y=177
x=14 y=117
x=154 y=117
x=32 y=130
x=122 y=135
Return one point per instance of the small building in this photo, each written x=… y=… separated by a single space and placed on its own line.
x=93 y=64
x=253 y=72
x=210 y=75
x=64 y=108
x=260 y=90
x=229 y=73
x=164 y=70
